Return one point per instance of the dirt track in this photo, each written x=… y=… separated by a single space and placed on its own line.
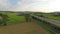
x=23 y=28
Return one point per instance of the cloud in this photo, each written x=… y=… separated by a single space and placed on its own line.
x=30 y=5
x=19 y=5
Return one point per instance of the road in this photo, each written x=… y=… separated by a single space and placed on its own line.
x=54 y=22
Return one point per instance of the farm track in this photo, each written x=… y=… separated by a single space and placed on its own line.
x=23 y=28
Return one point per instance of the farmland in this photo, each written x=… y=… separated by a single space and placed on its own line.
x=17 y=24
x=13 y=18
x=50 y=16
x=23 y=28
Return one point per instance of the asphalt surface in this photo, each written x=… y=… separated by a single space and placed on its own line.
x=54 y=22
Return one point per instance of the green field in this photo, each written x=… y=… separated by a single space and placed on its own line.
x=50 y=16
x=20 y=26
x=13 y=18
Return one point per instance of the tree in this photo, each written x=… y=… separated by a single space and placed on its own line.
x=27 y=16
x=4 y=19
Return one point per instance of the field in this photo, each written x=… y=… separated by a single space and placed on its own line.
x=23 y=28
x=18 y=25
x=13 y=18
x=50 y=16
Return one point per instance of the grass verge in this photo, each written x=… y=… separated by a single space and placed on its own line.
x=47 y=27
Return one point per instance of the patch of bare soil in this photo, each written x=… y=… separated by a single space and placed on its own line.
x=23 y=28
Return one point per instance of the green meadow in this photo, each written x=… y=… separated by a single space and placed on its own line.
x=50 y=16
x=13 y=18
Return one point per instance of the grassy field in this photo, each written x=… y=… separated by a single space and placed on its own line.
x=17 y=25
x=50 y=16
x=13 y=18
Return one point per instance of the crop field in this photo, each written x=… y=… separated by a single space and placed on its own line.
x=17 y=25
x=23 y=28
x=13 y=18
x=50 y=16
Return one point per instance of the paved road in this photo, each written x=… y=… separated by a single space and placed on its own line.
x=54 y=22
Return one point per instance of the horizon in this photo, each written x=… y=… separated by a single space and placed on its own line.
x=29 y=11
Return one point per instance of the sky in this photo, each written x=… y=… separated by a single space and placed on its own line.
x=30 y=5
